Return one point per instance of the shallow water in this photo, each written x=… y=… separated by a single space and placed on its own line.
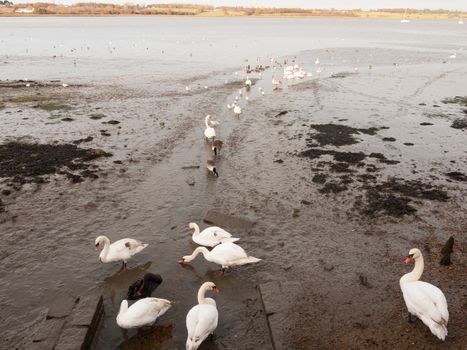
x=129 y=79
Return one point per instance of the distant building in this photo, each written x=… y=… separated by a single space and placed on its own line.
x=25 y=10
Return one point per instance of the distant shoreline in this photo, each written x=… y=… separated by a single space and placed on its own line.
x=433 y=17
x=162 y=10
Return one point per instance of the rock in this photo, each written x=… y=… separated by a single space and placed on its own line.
x=88 y=311
x=217 y=218
x=190 y=167
x=363 y=280
x=190 y=181
x=67 y=119
x=389 y=139
x=277 y=298
x=62 y=305
x=280 y=161
x=425 y=124
x=446 y=251
x=72 y=339
x=48 y=329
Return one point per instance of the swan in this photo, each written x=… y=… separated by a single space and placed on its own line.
x=423 y=299
x=317 y=61
x=225 y=254
x=237 y=109
x=201 y=320
x=142 y=313
x=210 y=236
x=248 y=83
x=276 y=83
x=209 y=132
x=121 y=250
x=217 y=146
x=144 y=287
x=212 y=123
x=211 y=165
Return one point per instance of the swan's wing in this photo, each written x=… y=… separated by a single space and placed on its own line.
x=214 y=233
x=127 y=247
x=146 y=311
x=427 y=300
x=201 y=321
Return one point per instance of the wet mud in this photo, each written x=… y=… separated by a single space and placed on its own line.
x=334 y=205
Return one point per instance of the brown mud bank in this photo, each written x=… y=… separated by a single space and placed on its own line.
x=336 y=194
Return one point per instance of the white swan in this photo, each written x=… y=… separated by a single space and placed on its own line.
x=212 y=123
x=142 y=313
x=248 y=83
x=210 y=236
x=225 y=254
x=424 y=300
x=237 y=109
x=121 y=250
x=209 y=132
x=201 y=320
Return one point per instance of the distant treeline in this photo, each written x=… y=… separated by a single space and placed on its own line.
x=96 y=9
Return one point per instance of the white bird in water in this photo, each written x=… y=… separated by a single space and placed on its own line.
x=206 y=87
x=277 y=83
x=201 y=320
x=121 y=250
x=217 y=146
x=454 y=55
x=423 y=299
x=210 y=236
x=225 y=254
x=211 y=166
x=230 y=106
x=237 y=109
x=212 y=123
x=187 y=88
x=144 y=312
x=209 y=132
x=65 y=85
x=248 y=83
x=317 y=61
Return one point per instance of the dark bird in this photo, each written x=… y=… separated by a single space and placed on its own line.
x=144 y=287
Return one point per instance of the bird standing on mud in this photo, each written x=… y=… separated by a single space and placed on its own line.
x=423 y=299
x=121 y=250
x=217 y=146
x=211 y=166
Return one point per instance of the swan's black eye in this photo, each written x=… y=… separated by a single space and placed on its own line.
x=411 y=255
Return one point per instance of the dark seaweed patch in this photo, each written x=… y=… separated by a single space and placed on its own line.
x=456 y=175
x=336 y=134
x=26 y=162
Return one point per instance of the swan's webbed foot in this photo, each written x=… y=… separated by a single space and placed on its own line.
x=409 y=317
x=124 y=267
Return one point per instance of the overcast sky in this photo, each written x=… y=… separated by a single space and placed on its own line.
x=339 y=4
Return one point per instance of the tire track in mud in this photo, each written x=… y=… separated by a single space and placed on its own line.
x=431 y=81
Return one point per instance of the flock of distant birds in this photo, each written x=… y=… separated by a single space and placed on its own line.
x=422 y=299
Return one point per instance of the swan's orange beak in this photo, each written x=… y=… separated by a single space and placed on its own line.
x=408 y=260
x=181 y=261
x=215 y=290
x=97 y=247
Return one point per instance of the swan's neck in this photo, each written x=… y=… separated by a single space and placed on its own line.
x=416 y=272
x=105 y=250
x=201 y=295
x=196 y=227
x=206 y=121
x=202 y=250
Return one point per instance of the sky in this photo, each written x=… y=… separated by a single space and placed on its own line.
x=338 y=4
